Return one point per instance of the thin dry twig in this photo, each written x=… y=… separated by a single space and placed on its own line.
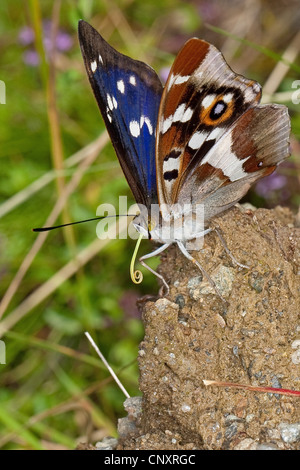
x=281 y=68
x=112 y=373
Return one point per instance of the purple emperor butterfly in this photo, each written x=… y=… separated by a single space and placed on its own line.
x=194 y=147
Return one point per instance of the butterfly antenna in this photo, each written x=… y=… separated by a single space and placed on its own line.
x=46 y=229
x=136 y=276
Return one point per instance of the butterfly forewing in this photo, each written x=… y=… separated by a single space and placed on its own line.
x=203 y=97
x=128 y=93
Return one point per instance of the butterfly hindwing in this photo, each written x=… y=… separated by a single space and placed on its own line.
x=203 y=97
x=249 y=150
x=128 y=93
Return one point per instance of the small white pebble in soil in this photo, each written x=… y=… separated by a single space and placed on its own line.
x=186 y=408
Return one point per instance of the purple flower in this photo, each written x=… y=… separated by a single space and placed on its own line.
x=31 y=58
x=26 y=36
x=63 y=42
x=269 y=184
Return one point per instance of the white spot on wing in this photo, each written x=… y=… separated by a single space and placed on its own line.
x=179 y=113
x=94 y=66
x=121 y=86
x=108 y=114
x=148 y=124
x=134 y=128
x=215 y=133
x=250 y=93
x=182 y=114
x=228 y=97
x=100 y=59
x=112 y=102
x=179 y=79
x=187 y=115
x=171 y=164
x=197 y=140
x=208 y=100
x=132 y=80
x=169 y=184
x=109 y=102
x=166 y=124
x=171 y=81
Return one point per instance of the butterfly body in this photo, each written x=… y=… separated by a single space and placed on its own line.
x=191 y=149
x=181 y=225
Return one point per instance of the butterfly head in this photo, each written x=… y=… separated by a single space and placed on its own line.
x=145 y=224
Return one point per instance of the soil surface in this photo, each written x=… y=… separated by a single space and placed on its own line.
x=192 y=335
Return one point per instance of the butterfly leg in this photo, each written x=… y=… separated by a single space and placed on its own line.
x=189 y=256
x=228 y=251
x=150 y=255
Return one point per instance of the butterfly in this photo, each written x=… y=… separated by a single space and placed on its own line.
x=192 y=148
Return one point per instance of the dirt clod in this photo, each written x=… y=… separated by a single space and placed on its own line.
x=192 y=335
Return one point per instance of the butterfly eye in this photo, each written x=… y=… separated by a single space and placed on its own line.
x=151 y=225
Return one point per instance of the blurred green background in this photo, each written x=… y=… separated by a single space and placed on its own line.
x=54 y=392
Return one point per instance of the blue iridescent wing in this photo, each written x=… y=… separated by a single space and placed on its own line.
x=128 y=93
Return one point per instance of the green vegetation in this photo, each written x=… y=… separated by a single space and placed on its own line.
x=54 y=391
